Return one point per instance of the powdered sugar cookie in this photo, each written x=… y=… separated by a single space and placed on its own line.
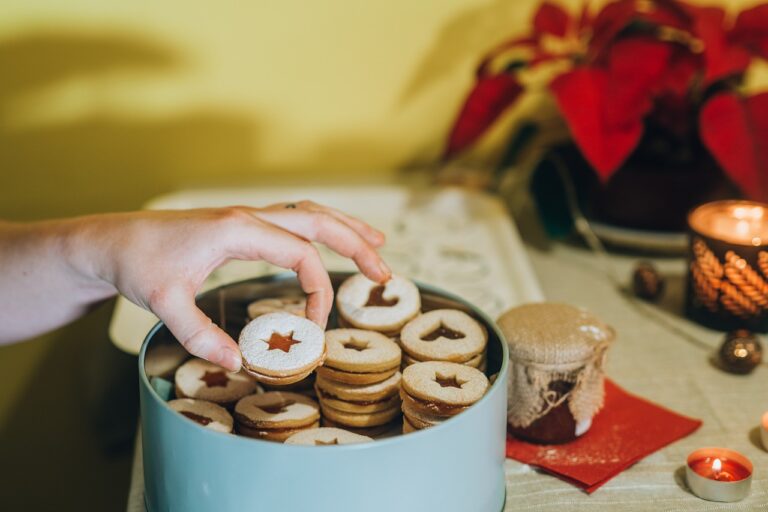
x=200 y=379
x=205 y=413
x=365 y=304
x=280 y=347
x=444 y=335
x=293 y=305
x=327 y=436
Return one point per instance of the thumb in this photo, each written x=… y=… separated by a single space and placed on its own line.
x=195 y=331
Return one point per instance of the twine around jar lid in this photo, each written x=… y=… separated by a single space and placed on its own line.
x=551 y=342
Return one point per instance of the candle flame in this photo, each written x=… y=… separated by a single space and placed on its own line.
x=717 y=465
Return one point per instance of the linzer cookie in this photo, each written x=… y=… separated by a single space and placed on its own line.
x=293 y=305
x=355 y=356
x=365 y=304
x=275 y=415
x=205 y=413
x=281 y=349
x=359 y=406
x=435 y=391
x=200 y=379
x=327 y=436
x=444 y=335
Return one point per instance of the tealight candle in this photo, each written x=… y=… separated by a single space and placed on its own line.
x=728 y=269
x=719 y=474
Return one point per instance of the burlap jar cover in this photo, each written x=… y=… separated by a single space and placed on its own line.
x=549 y=343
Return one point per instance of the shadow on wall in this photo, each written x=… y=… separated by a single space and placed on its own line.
x=101 y=162
x=466 y=37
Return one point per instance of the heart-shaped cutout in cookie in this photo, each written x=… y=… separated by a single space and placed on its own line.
x=443 y=331
x=376 y=298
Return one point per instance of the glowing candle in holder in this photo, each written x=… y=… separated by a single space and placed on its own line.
x=728 y=265
x=718 y=474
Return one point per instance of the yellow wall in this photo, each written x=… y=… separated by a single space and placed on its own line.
x=109 y=103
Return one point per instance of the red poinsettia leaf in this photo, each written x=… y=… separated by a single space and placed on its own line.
x=585 y=18
x=751 y=30
x=580 y=96
x=635 y=65
x=611 y=20
x=487 y=101
x=551 y=19
x=735 y=130
x=721 y=57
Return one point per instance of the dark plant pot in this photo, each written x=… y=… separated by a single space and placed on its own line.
x=650 y=192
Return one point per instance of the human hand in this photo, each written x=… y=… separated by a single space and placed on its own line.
x=159 y=260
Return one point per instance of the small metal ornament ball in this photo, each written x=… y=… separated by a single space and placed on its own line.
x=741 y=352
x=647 y=283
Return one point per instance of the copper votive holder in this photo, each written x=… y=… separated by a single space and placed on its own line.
x=728 y=265
x=711 y=486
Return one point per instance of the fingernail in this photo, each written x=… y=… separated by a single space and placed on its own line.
x=385 y=270
x=230 y=359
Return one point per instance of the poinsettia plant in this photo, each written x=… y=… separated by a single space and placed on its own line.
x=634 y=61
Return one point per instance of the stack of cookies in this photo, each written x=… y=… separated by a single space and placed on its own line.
x=435 y=391
x=293 y=305
x=444 y=335
x=275 y=415
x=359 y=383
x=202 y=380
x=281 y=348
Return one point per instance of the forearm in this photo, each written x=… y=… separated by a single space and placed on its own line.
x=45 y=279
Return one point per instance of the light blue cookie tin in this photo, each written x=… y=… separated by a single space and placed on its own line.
x=454 y=467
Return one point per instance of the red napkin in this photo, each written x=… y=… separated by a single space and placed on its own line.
x=627 y=429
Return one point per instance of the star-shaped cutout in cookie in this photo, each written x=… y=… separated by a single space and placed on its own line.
x=281 y=342
x=354 y=344
x=216 y=379
x=278 y=407
x=376 y=298
x=318 y=442
x=443 y=331
x=448 y=382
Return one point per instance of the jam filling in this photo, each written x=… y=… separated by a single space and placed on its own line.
x=448 y=381
x=277 y=408
x=376 y=298
x=215 y=379
x=333 y=441
x=280 y=342
x=439 y=408
x=443 y=331
x=203 y=420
